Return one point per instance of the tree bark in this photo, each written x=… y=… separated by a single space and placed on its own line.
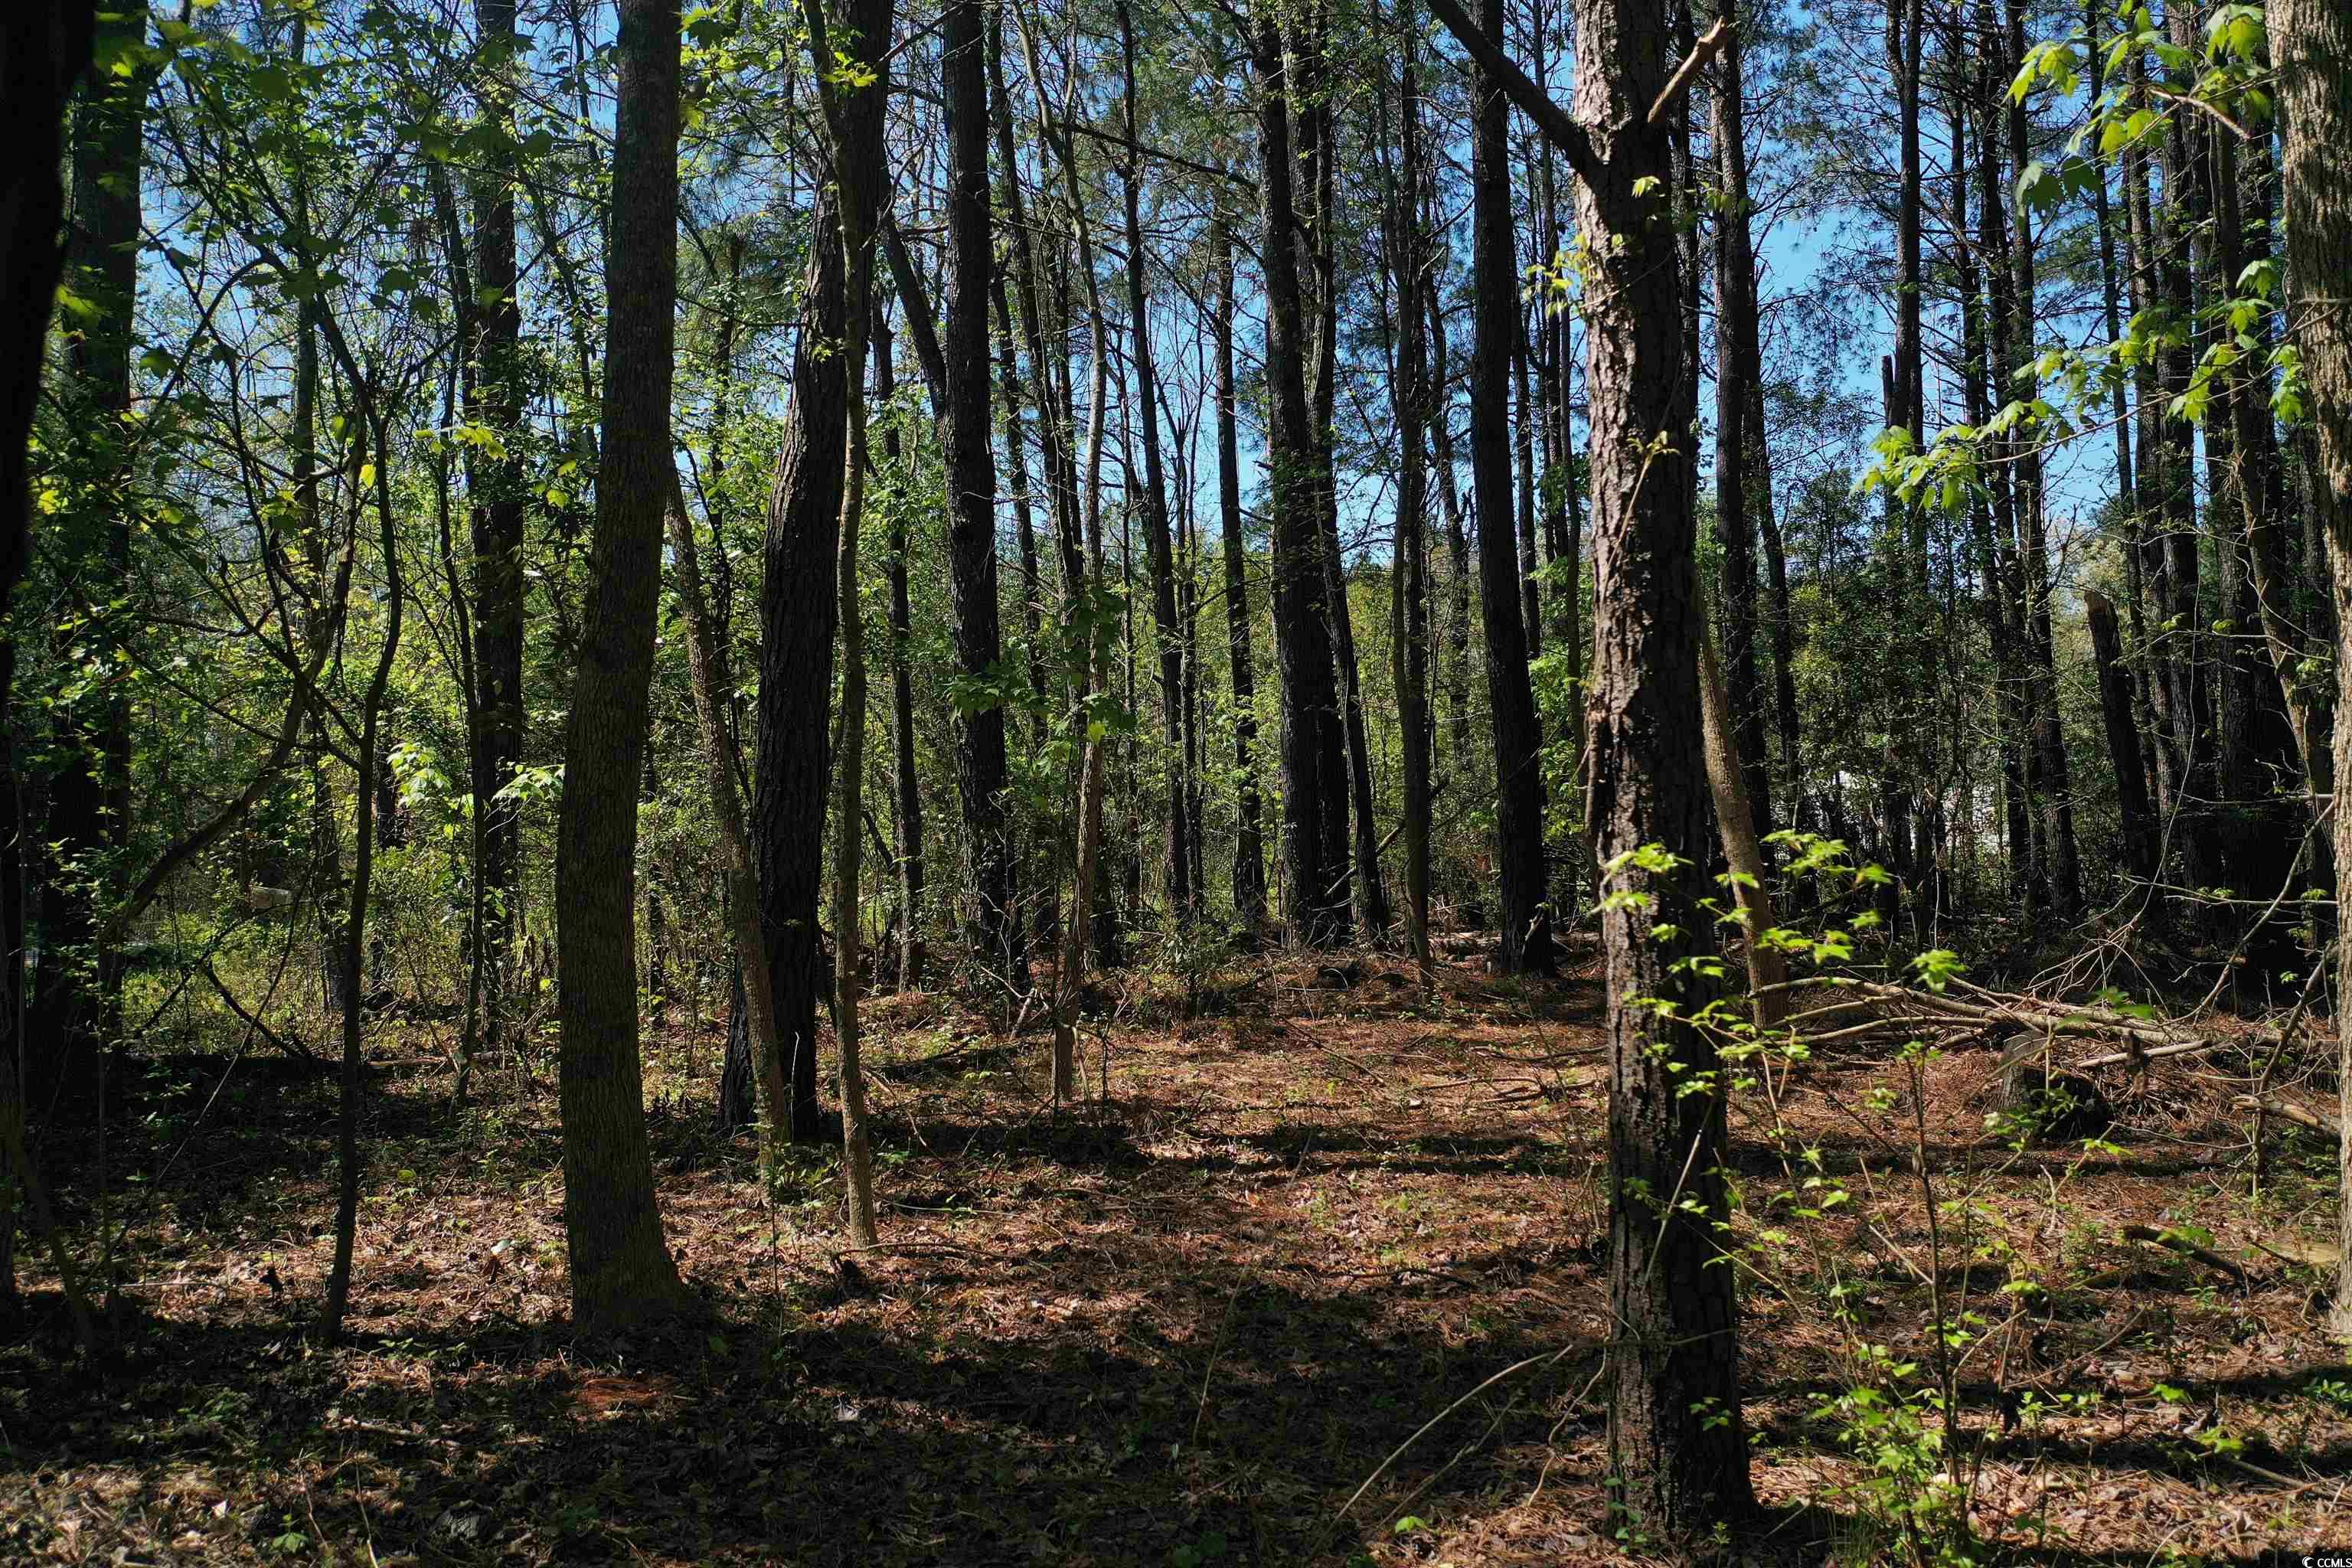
x=1677 y=1447
x=906 y=784
x=77 y=1003
x=1409 y=259
x=1738 y=357
x=714 y=698
x=854 y=137
x=1313 y=758
x=1516 y=731
x=982 y=773
x=2138 y=817
x=44 y=49
x=371 y=773
x=497 y=485
x=1455 y=666
x=2311 y=50
x=622 y=1272
x=1249 y=833
x=1743 y=850
x=2057 y=801
x=1182 y=897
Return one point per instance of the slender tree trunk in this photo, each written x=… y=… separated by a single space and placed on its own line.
x=2094 y=60
x=853 y=128
x=1249 y=837
x=621 y=1270
x=906 y=784
x=1025 y=517
x=1523 y=442
x=799 y=612
x=2172 y=459
x=326 y=869
x=2138 y=817
x=1518 y=778
x=1182 y=897
x=1313 y=757
x=714 y=698
x=497 y=485
x=1408 y=257
x=1739 y=365
x=1457 y=664
x=1103 y=912
x=370 y=767
x=1999 y=546
x=1743 y=849
x=2057 y=802
x=2254 y=481
x=1351 y=835
x=981 y=770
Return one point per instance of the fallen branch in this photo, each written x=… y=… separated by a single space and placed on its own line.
x=2187 y=1248
x=2288 y=1109
x=294 y=1048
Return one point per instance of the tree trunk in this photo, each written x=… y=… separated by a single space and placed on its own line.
x=1523 y=441
x=372 y=769
x=1313 y=761
x=798 y=615
x=854 y=136
x=1182 y=897
x=497 y=485
x=1677 y=1445
x=1456 y=663
x=2254 y=480
x=1351 y=835
x=2138 y=817
x=1989 y=381
x=77 y=1001
x=714 y=698
x=1518 y=778
x=1743 y=851
x=2311 y=48
x=1676 y=1436
x=1739 y=365
x=982 y=775
x=907 y=782
x=44 y=49
x=2169 y=462
x=1249 y=837
x=621 y=1270
x=1409 y=258
x=2057 y=802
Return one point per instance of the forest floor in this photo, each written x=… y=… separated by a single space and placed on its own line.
x=1320 y=1282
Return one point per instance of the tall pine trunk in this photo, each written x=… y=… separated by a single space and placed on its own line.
x=1249 y=833
x=1408 y=258
x=982 y=770
x=1313 y=752
x=1526 y=930
x=1739 y=365
x=1182 y=897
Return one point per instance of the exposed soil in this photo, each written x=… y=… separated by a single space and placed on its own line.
x=1220 y=1319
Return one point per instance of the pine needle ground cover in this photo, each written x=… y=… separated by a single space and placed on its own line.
x=1240 y=1312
